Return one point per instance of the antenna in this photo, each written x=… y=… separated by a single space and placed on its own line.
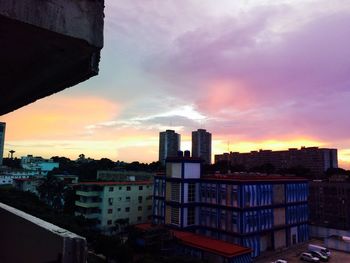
x=12 y=152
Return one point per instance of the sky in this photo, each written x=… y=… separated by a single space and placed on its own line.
x=257 y=74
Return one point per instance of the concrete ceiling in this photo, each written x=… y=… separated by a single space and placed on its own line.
x=41 y=53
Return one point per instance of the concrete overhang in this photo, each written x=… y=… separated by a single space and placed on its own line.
x=47 y=46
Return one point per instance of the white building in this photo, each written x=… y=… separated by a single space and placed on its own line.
x=8 y=176
x=38 y=164
x=106 y=202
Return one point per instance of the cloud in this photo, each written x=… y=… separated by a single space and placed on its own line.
x=58 y=118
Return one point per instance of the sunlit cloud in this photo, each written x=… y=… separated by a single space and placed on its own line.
x=256 y=74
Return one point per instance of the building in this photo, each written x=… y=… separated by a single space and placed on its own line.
x=329 y=204
x=316 y=160
x=112 y=175
x=40 y=165
x=262 y=212
x=169 y=144
x=186 y=243
x=2 y=140
x=107 y=202
x=201 y=145
x=8 y=175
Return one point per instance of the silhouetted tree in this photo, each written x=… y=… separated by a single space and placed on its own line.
x=12 y=163
x=51 y=190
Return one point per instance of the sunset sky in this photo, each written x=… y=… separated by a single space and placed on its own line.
x=261 y=74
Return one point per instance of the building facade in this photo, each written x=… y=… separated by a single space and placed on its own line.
x=40 y=165
x=108 y=202
x=169 y=144
x=329 y=204
x=259 y=212
x=7 y=176
x=201 y=145
x=2 y=140
x=317 y=160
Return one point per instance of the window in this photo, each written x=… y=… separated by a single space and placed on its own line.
x=120 y=188
x=191 y=192
x=149 y=207
x=127 y=198
x=139 y=208
x=111 y=189
x=119 y=198
x=110 y=201
x=190 y=216
x=109 y=222
x=149 y=197
x=139 y=218
x=175 y=215
x=175 y=192
x=128 y=188
x=110 y=211
x=140 y=187
x=119 y=209
x=127 y=209
x=140 y=199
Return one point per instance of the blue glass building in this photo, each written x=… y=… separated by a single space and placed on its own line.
x=262 y=212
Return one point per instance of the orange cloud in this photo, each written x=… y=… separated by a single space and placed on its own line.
x=57 y=117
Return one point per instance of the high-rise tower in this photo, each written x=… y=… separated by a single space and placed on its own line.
x=2 y=140
x=169 y=145
x=201 y=145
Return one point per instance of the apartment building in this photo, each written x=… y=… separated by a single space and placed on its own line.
x=169 y=144
x=316 y=160
x=201 y=145
x=40 y=165
x=329 y=204
x=255 y=211
x=106 y=202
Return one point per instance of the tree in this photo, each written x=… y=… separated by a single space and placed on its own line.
x=51 y=190
x=13 y=163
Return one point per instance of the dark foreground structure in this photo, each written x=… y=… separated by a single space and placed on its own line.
x=47 y=46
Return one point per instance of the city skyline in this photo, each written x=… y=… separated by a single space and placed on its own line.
x=258 y=75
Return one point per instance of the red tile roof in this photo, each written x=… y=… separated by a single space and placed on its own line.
x=211 y=245
x=203 y=243
x=23 y=179
x=101 y=183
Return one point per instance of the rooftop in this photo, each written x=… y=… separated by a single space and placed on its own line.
x=247 y=177
x=203 y=243
x=116 y=183
x=211 y=245
x=24 y=179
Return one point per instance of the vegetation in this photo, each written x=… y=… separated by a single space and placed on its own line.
x=87 y=170
x=14 y=163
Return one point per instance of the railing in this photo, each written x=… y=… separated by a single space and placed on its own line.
x=87 y=204
x=87 y=193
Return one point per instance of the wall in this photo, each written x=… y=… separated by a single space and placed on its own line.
x=25 y=238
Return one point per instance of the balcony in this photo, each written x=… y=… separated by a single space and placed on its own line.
x=88 y=215
x=87 y=204
x=87 y=193
x=25 y=238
